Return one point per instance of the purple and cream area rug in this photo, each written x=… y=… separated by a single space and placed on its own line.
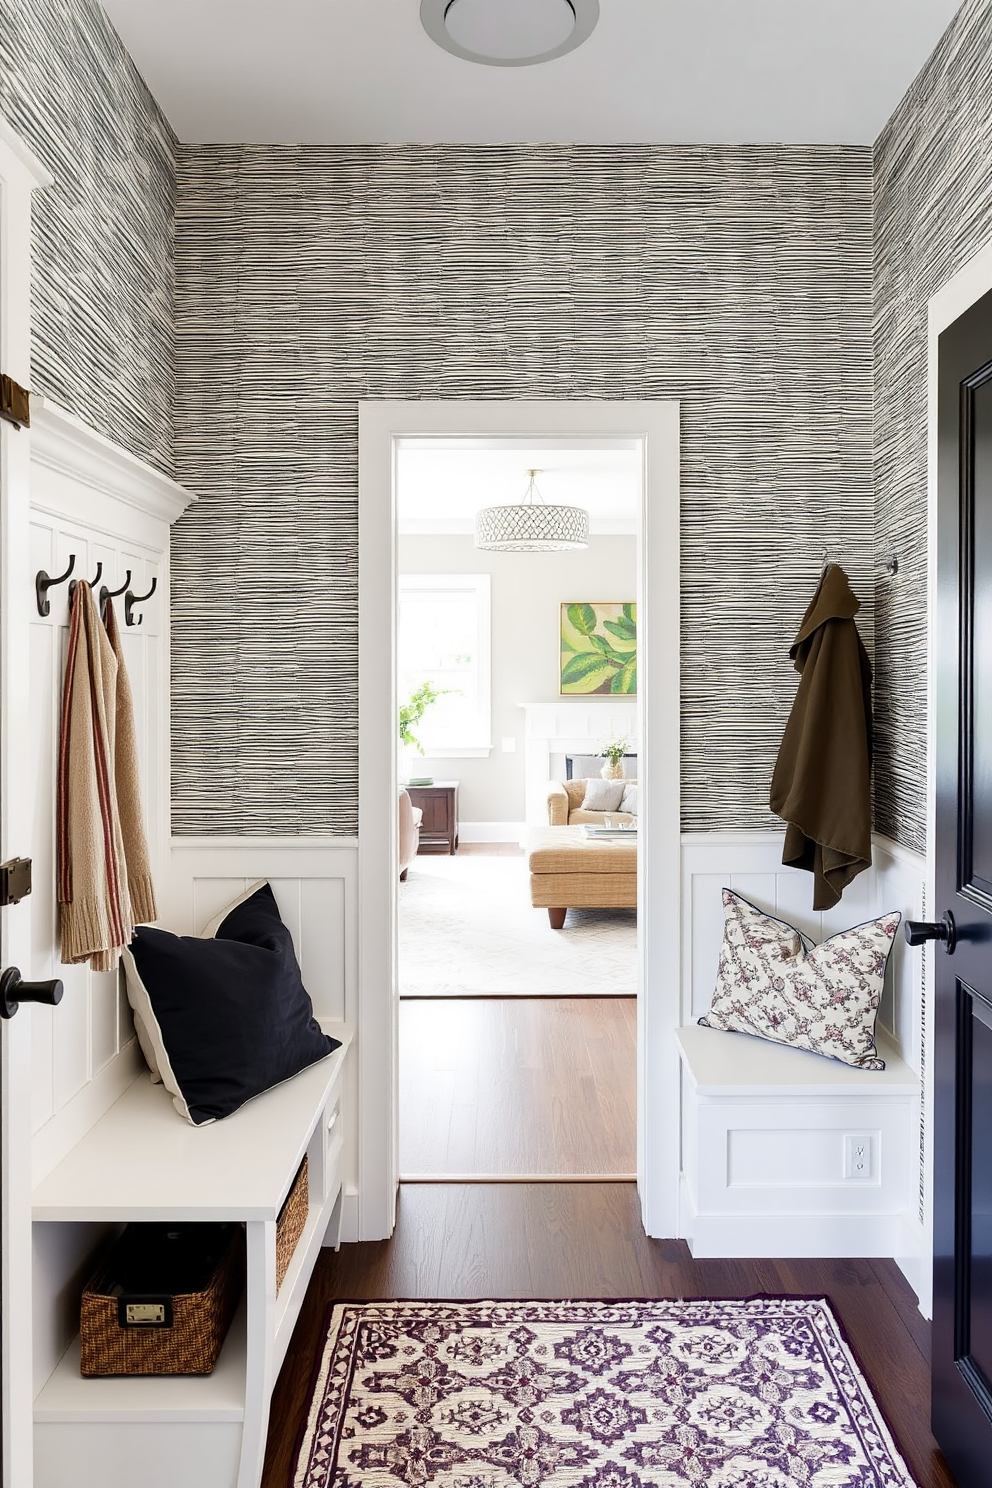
x=762 y=1393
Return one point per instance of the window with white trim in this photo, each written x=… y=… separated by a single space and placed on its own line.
x=444 y=638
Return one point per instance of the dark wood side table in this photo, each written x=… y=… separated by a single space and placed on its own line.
x=439 y=803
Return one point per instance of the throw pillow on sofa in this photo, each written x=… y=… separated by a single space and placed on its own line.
x=776 y=984
x=603 y=795
x=223 y=1016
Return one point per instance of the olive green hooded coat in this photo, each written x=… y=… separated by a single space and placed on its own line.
x=822 y=781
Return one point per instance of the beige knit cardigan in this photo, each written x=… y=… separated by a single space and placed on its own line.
x=104 y=875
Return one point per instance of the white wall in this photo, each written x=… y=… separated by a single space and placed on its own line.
x=527 y=590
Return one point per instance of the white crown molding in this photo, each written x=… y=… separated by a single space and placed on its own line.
x=63 y=443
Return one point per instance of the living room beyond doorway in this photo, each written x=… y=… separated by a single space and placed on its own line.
x=517 y=1019
x=517 y=1042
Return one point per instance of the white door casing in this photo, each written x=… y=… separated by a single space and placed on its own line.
x=656 y=426
x=20 y=175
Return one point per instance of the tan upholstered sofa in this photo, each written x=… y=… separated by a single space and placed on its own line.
x=410 y=818
x=565 y=799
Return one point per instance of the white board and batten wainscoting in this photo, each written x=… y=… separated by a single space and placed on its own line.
x=786 y=1153
x=107 y=1147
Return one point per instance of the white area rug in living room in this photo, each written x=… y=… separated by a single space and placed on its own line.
x=467 y=928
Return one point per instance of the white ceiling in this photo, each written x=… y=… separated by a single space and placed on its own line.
x=657 y=71
x=442 y=483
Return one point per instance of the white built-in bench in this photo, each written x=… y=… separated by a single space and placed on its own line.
x=142 y=1162
x=786 y=1153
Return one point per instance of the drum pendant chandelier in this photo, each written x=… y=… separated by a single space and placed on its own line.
x=532 y=526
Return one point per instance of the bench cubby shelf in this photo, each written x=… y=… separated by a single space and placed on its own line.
x=141 y=1162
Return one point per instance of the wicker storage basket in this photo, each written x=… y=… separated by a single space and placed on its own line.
x=292 y=1218
x=162 y=1301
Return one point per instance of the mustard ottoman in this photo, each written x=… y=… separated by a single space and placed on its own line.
x=569 y=870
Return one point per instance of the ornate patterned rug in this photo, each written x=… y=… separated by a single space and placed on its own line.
x=762 y=1393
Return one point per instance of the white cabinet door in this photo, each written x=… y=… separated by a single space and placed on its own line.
x=19 y=176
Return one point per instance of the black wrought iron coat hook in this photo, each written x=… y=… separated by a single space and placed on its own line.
x=93 y=582
x=106 y=593
x=42 y=584
x=131 y=599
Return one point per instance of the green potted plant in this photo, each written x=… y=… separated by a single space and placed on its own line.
x=411 y=713
x=613 y=752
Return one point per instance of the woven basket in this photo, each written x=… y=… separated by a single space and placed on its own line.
x=292 y=1218
x=189 y=1345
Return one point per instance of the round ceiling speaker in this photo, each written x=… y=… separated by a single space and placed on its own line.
x=509 y=33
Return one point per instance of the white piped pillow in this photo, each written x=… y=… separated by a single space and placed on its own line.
x=776 y=984
x=629 y=801
x=603 y=795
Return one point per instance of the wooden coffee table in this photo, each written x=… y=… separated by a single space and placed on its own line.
x=569 y=870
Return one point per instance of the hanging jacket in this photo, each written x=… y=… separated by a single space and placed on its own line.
x=821 y=785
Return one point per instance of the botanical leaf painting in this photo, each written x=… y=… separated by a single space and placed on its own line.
x=598 y=648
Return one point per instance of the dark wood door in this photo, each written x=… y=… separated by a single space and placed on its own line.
x=962 y=1330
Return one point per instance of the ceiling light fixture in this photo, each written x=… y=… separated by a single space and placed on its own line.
x=509 y=33
x=532 y=526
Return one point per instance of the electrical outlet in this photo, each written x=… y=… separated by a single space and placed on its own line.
x=509 y=744
x=858 y=1156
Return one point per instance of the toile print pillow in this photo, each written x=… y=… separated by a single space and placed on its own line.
x=776 y=984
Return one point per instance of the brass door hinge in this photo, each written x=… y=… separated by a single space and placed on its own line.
x=15 y=402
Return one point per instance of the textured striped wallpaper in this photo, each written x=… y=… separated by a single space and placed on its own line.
x=933 y=211
x=735 y=279
x=103 y=268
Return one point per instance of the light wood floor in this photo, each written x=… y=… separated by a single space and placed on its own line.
x=585 y=1240
x=518 y=1087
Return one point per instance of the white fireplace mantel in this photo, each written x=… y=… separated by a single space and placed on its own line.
x=568 y=726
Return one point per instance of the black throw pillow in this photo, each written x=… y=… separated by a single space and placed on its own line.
x=223 y=1018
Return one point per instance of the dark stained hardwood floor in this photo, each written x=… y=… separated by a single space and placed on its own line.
x=585 y=1240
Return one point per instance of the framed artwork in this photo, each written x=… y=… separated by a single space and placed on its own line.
x=598 y=649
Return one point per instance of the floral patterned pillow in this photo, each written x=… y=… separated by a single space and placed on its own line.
x=775 y=983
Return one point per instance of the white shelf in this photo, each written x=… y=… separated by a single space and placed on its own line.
x=718 y=1063
x=220 y=1396
x=142 y=1161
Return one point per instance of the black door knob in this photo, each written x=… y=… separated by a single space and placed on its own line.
x=918 y=931
x=13 y=992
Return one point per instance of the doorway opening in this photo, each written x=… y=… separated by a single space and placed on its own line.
x=654 y=426
x=517 y=1023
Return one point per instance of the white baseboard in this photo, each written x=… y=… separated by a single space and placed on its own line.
x=914 y=1261
x=350 y=1228
x=500 y=831
x=778 y=1236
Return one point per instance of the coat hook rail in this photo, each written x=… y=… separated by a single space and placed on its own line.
x=93 y=582
x=43 y=583
x=106 y=593
x=131 y=599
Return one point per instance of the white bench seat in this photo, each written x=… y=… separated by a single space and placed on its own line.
x=142 y=1162
x=786 y=1153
